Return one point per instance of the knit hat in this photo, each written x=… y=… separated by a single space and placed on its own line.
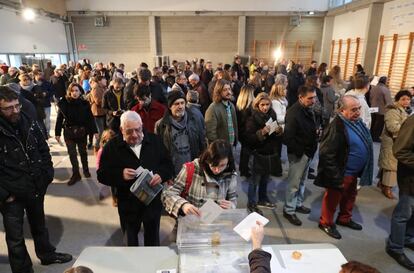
x=173 y=96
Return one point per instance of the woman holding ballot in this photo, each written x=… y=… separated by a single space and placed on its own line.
x=263 y=135
x=212 y=176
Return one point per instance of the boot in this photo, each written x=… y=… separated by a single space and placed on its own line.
x=86 y=173
x=387 y=191
x=75 y=178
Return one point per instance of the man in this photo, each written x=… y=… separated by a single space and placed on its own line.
x=221 y=120
x=180 y=83
x=12 y=76
x=59 y=84
x=48 y=71
x=26 y=170
x=238 y=68
x=100 y=70
x=300 y=137
x=402 y=224
x=361 y=84
x=199 y=86
x=149 y=110
x=121 y=157
x=345 y=154
x=312 y=71
x=380 y=97
x=157 y=92
x=193 y=106
x=182 y=132
x=207 y=74
x=114 y=104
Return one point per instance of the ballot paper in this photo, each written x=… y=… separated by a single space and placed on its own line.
x=275 y=265
x=375 y=81
x=273 y=125
x=244 y=228
x=373 y=110
x=210 y=211
x=142 y=188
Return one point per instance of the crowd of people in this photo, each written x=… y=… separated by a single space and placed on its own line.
x=183 y=122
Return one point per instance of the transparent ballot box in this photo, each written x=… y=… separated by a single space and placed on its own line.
x=192 y=233
x=229 y=259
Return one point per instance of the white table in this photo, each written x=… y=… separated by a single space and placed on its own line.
x=151 y=259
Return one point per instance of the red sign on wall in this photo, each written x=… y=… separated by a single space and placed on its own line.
x=82 y=47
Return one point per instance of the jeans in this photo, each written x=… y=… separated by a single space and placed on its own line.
x=402 y=224
x=13 y=215
x=257 y=180
x=100 y=125
x=295 y=191
x=47 y=120
x=71 y=146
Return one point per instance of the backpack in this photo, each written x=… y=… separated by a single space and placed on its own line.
x=190 y=172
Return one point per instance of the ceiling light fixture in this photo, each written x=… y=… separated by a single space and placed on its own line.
x=29 y=14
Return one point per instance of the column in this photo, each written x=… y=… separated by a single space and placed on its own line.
x=152 y=37
x=241 y=41
x=327 y=33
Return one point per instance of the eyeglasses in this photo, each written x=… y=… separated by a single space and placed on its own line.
x=16 y=107
x=130 y=131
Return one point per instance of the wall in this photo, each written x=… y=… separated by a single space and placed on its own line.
x=351 y=25
x=398 y=17
x=193 y=5
x=55 y=6
x=41 y=36
x=125 y=39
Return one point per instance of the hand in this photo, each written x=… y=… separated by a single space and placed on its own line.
x=156 y=179
x=129 y=174
x=10 y=199
x=58 y=139
x=279 y=130
x=265 y=130
x=114 y=113
x=96 y=135
x=187 y=208
x=257 y=235
x=225 y=204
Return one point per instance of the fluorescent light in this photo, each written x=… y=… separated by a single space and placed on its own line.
x=29 y=14
x=311 y=12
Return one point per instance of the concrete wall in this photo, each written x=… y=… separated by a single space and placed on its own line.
x=398 y=17
x=198 y=5
x=350 y=25
x=40 y=36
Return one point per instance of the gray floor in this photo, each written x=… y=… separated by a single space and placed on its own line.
x=76 y=219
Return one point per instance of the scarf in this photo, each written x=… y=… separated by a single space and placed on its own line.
x=363 y=133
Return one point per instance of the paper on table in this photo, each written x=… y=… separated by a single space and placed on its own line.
x=244 y=228
x=275 y=265
x=331 y=259
x=210 y=211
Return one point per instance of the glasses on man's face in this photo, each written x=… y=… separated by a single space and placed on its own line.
x=130 y=131
x=10 y=108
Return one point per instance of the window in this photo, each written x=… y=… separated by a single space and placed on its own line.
x=4 y=59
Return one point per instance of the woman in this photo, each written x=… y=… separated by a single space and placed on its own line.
x=321 y=72
x=264 y=144
x=256 y=81
x=212 y=176
x=338 y=84
x=395 y=115
x=279 y=102
x=312 y=82
x=243 y=112
x=75 y=117
x=98 y=84
x=84 y=80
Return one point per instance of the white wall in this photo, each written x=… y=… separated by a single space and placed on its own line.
x=398 y=17
x=351 y=25
x=199 y=5
x=20 y=36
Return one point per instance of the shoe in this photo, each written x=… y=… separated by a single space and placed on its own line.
x=311 y=170
x=90 y=146
x=331 y=231
x=387 y=191
x=311 y=176
x=379 y=184
x=411 y=246
x=402 y=259
x=253 y=208
x=293 y=219
x=86 y=173
x=266 y=204
x=56 y=258
x=75 y=178
x=351 y=224
x=303 y=210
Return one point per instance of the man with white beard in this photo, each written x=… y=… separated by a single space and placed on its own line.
x=181 y=131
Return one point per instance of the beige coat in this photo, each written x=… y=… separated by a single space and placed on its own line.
x=393 y=119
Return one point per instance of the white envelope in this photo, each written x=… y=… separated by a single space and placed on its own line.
x=210 y=211
x=244 y=228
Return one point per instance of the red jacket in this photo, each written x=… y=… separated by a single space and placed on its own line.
x=151 y=116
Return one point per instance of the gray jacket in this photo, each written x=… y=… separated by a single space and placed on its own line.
x=329 y=99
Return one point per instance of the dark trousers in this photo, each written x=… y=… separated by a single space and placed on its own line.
x=73 y=156
x=377 y=126
x=345 y=198
x=245 y=154
x=13 y=214
x=131 y=221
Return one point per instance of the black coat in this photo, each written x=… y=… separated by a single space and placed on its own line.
x=157 y=92
x=129 y=96
x=26 y=167
x=207 y=76
x=59 y=85
x=300 y=131
x=75 y=113
x=110 y=104
x=116 y=156
x=259 y=261
x=333 y=155
x=242 y=117
x=262 y=144
x=295 y=80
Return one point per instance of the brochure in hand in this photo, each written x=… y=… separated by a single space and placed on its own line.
x=141 y=187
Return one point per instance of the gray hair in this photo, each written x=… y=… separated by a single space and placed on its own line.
x=344 y=100
x=194 y=76
x=130 y=116
x=281 y=79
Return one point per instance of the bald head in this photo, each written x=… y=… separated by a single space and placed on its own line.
x=349 y=107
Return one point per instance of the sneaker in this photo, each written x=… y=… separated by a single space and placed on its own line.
x=253 y=208
x=311 y=176
x=56 y=258
x=293 y=219
x=266 y=204
x=402 y=259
